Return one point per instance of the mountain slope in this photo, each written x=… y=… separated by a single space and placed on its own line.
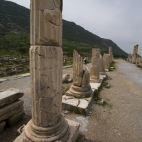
x=15 y=25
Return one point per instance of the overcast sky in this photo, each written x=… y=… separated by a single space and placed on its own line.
x=118 y=20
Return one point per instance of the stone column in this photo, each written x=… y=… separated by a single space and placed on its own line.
x=140 y=61
x=94 y=71
x=110 y=50
x=101 y=66
x=106 y=59
x=130 y=58
x=81 y=79
x=135 y=52
x=48 y=123
x=111 y=54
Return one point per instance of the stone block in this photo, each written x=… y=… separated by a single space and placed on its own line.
x=77 y=105
x=13 y=119
x=2 y=80
x=2 y=125
x=102 y=77
x=95 y=86
x=10 y=110
x=74 y=130
x=46 y=23
x=9 y=96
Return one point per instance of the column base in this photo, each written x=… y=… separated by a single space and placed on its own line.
x=79 y=92
x=95 y=79
x=69 y=134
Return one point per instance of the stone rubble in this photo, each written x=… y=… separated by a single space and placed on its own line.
x=11 y=108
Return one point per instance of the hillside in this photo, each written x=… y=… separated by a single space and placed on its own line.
x=14 y=33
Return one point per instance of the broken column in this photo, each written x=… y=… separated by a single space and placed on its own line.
x=94 y=71
x=110 y=50
x=79 y=97
x=135 y=53
x=110 y=54
x=46 y=60
x=81 y=84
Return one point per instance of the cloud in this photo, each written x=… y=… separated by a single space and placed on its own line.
x=112 y=19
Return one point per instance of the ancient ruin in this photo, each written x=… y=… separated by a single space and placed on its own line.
x=101 y=66
x=11 y=108
x=79 y=97
x=106 y=58
x=94 y=71
x=81 y=84
x=130 y=58
x=134 y=55
x=46 y=60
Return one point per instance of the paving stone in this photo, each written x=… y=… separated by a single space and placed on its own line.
x=95 y=86
x=67 y=97
x=77 y=105
x=83 y=103
x=10 y=110
x=73 y=102
x=9 y=96
x=12 y=120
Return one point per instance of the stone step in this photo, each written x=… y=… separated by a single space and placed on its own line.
x=12 y=120
x=11 y=110
x=9 y=96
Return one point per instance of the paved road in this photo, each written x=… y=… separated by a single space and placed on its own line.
x=119 y=121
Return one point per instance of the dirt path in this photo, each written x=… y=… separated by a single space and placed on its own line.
x=120 y=120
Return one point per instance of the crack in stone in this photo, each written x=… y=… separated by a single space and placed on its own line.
x=38 y=54
x=78 y=102
x=44 y=68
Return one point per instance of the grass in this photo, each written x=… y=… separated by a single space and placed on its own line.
x=105 y=104
x=139 y=66
x=97 y=94
x=112 y=65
